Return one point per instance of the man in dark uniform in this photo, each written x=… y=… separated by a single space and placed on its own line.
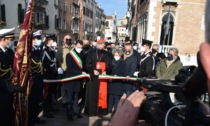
x=98 y=62
x=74 y=67
x=50 y=72
x=9 y=38
x=6 y=88
x=147 y=62
x=36 y=94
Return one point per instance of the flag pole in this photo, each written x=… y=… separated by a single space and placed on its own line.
x=167 y=28
x=22 y=67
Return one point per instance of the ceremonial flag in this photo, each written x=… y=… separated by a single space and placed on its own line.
x=22 y=65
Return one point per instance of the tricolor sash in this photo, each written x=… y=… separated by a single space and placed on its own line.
x=101 y=77
x=76 y=58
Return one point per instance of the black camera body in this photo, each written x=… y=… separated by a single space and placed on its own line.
x=189 y=85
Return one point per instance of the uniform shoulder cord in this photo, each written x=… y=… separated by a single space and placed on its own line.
x=5 y=71
x=37 y=68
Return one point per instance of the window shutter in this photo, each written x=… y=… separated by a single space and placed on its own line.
x=19 y=13
x=22 y=15
x=47 y=21
x=3 y=14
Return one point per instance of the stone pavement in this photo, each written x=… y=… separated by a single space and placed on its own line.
x=61 y=120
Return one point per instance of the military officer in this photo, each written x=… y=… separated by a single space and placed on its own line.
x=147 y=62
x=36 y=94
x=6 y=88
x=50 y=72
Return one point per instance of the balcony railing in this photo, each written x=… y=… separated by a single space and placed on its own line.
x=75 y=31
x=165 y=48
x=41 y=2
x=3 y=23
x=75 y=16
x=171 y=1
x=41 y=26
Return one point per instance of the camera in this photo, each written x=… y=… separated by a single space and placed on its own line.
x=189 y=85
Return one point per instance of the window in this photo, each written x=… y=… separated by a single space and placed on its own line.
x=56 y=2
x=37 y=17
x=47 y=21
x=84 y=11
x=60 y=23
x=167 y=40
x=3 y=13
x=56 y=21
x=107 y=23
x=64 y=24
x=41 y=18
x=20 y=14
x=71 y=9
x=140 y=2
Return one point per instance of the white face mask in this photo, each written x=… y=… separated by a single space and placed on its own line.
x=79 y=50
x=142 y=49
x=38 y=42
x=135 y=47
x=94 y=43
x=116 y=57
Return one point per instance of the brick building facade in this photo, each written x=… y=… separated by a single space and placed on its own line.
x=186 y=30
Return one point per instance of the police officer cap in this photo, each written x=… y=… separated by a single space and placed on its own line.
x=7 y=33
x=51 y=37
x=147 y=42
x=37 y=34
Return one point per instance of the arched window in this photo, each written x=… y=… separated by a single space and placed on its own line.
x=169 y=38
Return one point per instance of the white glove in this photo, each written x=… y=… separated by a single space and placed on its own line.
x=60 y=70
x=136 y=74
x=84 y=73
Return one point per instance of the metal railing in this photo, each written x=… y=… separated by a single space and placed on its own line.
x=165 y=48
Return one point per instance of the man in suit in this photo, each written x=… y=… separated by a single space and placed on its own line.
x=74 y=67
x=131 y=61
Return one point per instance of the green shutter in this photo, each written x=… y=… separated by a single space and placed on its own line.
x=47 y=21
x=19 y=13
x=3 y=14
x=22 y=15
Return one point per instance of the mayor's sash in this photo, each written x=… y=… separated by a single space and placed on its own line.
x=76 y=58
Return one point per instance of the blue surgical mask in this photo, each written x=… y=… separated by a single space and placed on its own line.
x=10 y=45
x=38 y=42
x=170 y=57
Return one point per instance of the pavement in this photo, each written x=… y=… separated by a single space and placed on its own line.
x=61 y=119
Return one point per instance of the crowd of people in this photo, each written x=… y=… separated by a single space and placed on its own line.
x=97 y=97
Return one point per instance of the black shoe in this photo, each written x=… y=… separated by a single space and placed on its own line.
x=79 y=116
x=31 y=124
x=40 y=121
x=48 y=115
x=70 y=118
